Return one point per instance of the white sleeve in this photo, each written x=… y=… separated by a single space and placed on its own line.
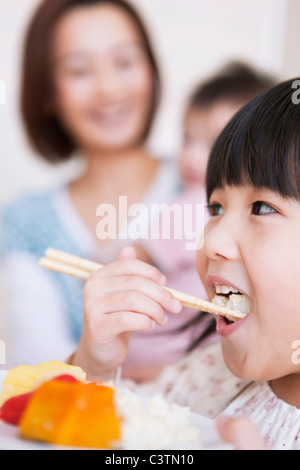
x=34 y=316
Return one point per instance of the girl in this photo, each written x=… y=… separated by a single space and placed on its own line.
x=251 y=249
x=210 y=107
x=91 y=86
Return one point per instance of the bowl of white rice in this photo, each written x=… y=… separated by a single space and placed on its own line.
x=154 y=423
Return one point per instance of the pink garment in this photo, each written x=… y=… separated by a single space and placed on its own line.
x=170 y=255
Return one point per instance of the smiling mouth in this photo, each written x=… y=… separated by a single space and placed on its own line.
x=230 y=298
x=110 y=115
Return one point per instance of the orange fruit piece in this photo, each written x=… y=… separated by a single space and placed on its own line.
x=75 y=414
x=23 y=379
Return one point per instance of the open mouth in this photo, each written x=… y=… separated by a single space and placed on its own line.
x=230 y=298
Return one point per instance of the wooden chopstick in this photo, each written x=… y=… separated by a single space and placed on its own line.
x=81 y=268
x=72 y=260
x=64 y=268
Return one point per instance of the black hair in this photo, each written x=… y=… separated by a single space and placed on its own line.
x=236 y=82
x=260 y=146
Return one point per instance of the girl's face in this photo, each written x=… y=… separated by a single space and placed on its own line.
x=201 y=128
x=102 y=78
x=252 y=244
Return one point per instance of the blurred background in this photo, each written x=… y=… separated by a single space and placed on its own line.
x=193 y=38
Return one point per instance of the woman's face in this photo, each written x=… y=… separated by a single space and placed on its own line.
x=102 y=78
x=252 y=244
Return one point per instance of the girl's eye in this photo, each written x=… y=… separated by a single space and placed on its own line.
x=215 y=209
x=262 y=208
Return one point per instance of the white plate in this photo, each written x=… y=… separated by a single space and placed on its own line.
x=9 y=439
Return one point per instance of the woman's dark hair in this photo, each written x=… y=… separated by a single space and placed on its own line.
x=236 y=82
x=260 y=146
x=44 y=129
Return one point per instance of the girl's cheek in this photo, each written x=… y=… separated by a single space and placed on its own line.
x=202 y=265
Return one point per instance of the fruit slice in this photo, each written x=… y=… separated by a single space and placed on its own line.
x=24 y=379
x=79 y=414
x=12 y=409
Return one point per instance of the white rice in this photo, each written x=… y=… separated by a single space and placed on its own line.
x=154 y=424
x=237 y=302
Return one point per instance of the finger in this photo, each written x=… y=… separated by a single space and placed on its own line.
x=128 y=252
x=241 y=432
x=145 y=286
x=130 y=267
x=134 y=302
x=126 y=321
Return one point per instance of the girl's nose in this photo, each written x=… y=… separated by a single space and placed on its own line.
x=221 y=239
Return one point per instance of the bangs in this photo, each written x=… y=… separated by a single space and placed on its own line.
x=260 y=146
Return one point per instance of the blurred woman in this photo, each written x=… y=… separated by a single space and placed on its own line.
x=91 y=87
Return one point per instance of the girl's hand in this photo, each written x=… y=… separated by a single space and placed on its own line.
x=122 y=297
x=241 y=432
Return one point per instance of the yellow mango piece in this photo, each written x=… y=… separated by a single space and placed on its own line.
x=67 y=414
x=23 y=379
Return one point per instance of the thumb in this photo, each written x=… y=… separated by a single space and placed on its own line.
x=128 y=252
x=241 y=432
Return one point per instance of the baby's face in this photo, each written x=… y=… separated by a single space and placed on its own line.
x=202 y=127
x=252 y=244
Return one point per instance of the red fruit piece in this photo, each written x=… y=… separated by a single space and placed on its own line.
x=13 y=409
x=66 y=378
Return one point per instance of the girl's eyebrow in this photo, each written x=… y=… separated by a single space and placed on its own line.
x=82 y=53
